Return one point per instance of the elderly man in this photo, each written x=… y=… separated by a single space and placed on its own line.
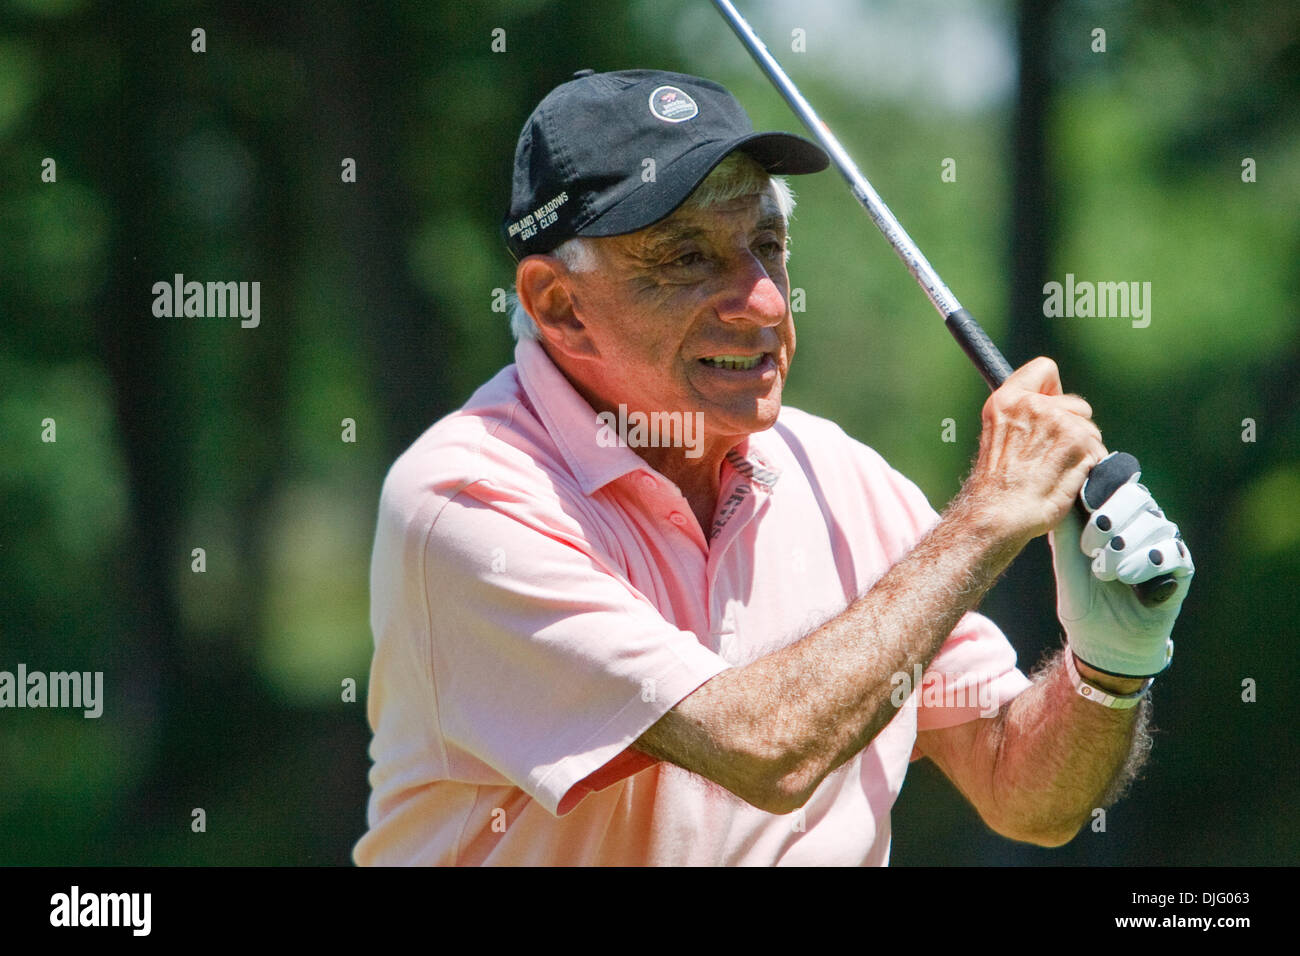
x=628 y=609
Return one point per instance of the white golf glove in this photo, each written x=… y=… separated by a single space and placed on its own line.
x=1127 y=540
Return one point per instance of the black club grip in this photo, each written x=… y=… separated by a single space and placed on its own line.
x=979 y=348
x=1102 y=481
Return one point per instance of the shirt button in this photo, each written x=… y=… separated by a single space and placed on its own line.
x=648 y=483
x=677 y=518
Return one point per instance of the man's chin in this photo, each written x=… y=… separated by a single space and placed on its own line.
x=757 y=418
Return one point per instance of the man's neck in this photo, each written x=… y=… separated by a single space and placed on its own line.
x=699 y=479
x=698 y=476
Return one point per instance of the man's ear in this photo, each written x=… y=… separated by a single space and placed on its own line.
x=545 y=288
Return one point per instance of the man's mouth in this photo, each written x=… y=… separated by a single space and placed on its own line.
x=741 y=363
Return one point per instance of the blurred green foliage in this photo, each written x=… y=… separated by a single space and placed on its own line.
x=224 y=688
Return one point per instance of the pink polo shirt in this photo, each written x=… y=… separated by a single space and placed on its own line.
x=539 y=599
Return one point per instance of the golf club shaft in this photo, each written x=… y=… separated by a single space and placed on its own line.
x=1104 y=479
x=968 y=333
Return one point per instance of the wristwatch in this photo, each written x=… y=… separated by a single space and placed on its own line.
x=1103 y=697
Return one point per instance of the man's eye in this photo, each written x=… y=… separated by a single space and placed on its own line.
x=772 y=248
x=687 y=259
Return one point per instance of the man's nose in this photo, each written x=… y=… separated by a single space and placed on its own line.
x=752 y=295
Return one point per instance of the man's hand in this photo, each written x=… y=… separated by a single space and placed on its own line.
x=1036 y=448
x=1108 y=628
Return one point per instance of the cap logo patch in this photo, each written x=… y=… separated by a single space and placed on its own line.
x=672 y=105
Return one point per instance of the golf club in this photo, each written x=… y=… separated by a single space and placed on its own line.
x=1112 y=471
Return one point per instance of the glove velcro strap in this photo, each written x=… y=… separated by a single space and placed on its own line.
x=1169 y=656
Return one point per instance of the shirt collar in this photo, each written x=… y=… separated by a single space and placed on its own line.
x=572 y=424
x=571 y=421
x=753 y=463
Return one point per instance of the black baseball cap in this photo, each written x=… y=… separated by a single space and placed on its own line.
x=581 y=163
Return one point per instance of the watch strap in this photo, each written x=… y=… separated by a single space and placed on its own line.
x=1104 y=697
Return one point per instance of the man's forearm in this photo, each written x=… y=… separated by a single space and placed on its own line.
x=1059 y=756
x=772 y=730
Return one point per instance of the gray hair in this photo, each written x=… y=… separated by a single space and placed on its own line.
x=736 y=176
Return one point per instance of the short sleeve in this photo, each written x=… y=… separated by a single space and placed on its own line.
x=972 y=676
x=975 y=671
x=547 y=664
